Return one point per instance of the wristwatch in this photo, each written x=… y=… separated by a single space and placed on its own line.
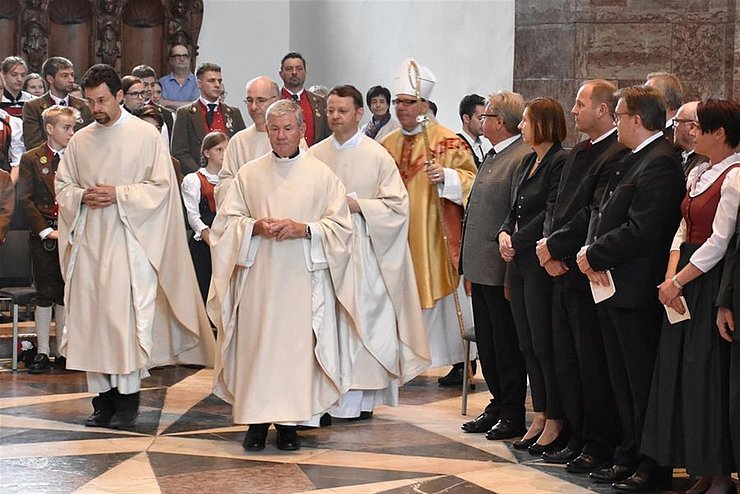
x=676 y=283
x=307 y=232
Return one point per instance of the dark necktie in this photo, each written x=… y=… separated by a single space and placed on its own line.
x=55 y=163
x=62 y=103
x=210 y=113
x=294 y=97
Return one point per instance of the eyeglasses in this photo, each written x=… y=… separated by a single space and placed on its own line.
x=183 y=56
x=488 y=115
x=692 y=124
x=259 y=101
x=136 y=94
x=618 y=115
x=403 y=102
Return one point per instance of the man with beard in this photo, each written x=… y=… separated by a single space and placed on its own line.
x=130 y=290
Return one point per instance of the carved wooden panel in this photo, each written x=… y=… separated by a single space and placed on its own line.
x=121 y=33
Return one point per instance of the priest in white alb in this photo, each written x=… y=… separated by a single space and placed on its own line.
x=389 y=347
x=130 y=290
x=252 y=142
x=280 y=257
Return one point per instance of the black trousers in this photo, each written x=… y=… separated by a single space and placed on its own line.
x=47 y=274
x=735 y=400
x=630 y=341
x=581 y=369
x=201 y=254
x=498 y=350
x=531 y=305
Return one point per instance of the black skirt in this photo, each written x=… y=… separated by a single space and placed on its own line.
x=687 y=419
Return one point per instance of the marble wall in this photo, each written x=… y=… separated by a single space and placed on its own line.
x=560 y=43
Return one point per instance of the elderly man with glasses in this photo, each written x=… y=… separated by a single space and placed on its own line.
x=252 y=142
x=438 y=175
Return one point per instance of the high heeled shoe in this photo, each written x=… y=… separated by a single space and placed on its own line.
x=523 y=444
x=556 y=444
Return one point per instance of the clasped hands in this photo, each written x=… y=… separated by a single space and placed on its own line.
x=670 y=295
x=554 y=267
x=100 y=196
x=279 y=229
x=597 y=277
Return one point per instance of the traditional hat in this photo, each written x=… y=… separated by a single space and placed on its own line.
x=403 y=83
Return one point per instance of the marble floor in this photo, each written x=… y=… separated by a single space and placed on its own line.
x=184 y=441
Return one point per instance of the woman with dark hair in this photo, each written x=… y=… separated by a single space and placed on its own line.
x=134 y=93
x=381 y=123
x=686 y=424
x=530 y=287
x=200 y=205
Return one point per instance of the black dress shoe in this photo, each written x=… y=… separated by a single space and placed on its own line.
x=364 y=416
x=287 y=438
x=40 y=364
x=586 y=463
x=556 y=444
x=453 y=378
x=523 y=444
x=561 y=457
x=99 y=418
x=505 y=429
x=482 y=423
x=256 y=437
x=609 y=475
x=104 y=408
x=643 y=482
x=127 y=410
x=60 y=363
x=124 y=419
x=326 y=421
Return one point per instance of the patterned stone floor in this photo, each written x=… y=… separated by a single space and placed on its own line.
x=184 y=442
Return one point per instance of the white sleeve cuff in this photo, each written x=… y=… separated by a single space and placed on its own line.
x=451 y=189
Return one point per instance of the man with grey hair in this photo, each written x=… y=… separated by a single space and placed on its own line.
x=495 y=333
x=280 y=272
x=686 y=120
x=671 y=90
x=252 y=142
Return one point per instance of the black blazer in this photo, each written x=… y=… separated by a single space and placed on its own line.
x=637 y=220
x=470 y=148
x=585 y=174
x=534 y=199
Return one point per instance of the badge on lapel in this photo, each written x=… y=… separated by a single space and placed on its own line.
x=43 y=160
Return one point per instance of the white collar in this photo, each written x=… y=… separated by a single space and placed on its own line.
x=121 y=119
x=353 y=141
x=604 y=135
x=212 y=178
x=701 y=177
x=505 y=143
x=288 y=160
x=206 y=102
x=647 y=141
x=58 y=100
x=60 y=152
x=299 y=93
x=470 y=139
